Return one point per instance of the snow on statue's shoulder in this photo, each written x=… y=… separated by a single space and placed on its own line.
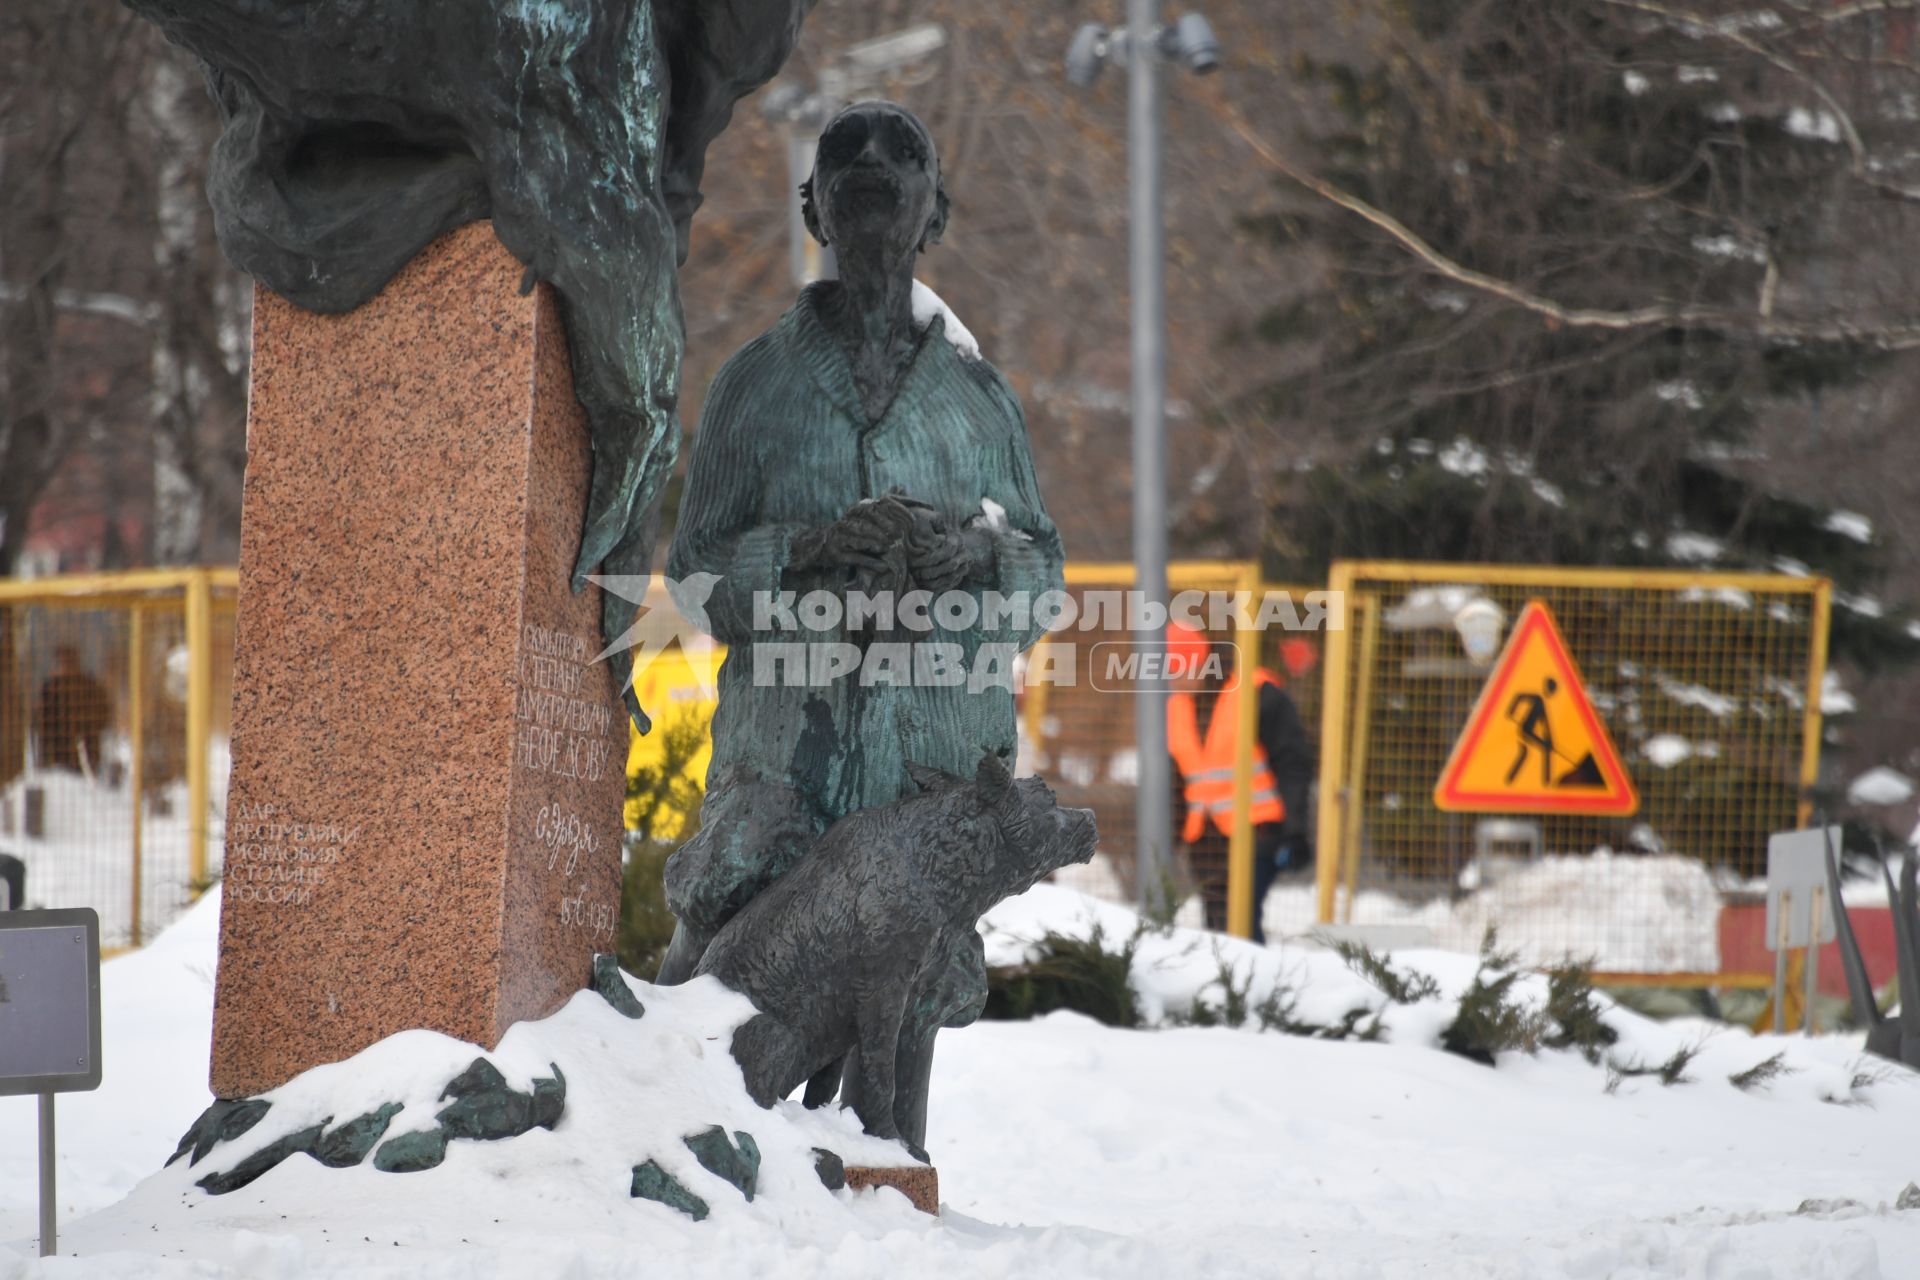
x=927 y=304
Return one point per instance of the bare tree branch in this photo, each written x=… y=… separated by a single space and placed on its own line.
x=1847 y=12
x=1896 y=336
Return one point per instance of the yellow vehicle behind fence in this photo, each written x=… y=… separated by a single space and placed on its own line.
x=677 y=687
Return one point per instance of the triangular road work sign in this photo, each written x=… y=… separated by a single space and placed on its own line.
x=1534 y=743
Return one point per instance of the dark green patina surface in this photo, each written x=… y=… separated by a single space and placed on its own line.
x=860 y=815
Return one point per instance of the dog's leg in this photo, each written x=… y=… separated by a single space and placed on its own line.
x=824 y=1084
x=953 y=996
x=772 y=1058
x=683 y=955
x=913 y=1075
x=878 y=1022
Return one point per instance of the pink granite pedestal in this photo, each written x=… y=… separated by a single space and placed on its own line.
x=423 y=823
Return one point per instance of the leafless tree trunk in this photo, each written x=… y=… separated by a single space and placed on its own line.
x=121 y=330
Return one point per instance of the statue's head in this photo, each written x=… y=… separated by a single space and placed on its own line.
x=876 y=174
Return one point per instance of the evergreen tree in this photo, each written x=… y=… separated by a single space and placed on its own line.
x=1568 y=259
x=1613 y=160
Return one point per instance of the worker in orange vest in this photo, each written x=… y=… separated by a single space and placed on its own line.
x=1200 y=737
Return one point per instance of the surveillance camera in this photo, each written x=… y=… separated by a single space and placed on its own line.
x=1087 y=54
x=871 y=59
x=1195 y=44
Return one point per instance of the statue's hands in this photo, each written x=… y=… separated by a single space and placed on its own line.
x=861 y=539
x=939 y=556
x=894 y=543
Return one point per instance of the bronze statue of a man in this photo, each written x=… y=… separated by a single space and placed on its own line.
x=854 y=450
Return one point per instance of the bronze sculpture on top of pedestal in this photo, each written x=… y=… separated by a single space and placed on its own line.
x=357 y=131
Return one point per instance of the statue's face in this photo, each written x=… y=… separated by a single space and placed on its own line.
x=875 y=175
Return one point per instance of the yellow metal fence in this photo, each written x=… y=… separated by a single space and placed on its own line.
x=114 y=695
x=1709 y=685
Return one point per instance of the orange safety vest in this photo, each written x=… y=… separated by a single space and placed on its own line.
x=1208 y=766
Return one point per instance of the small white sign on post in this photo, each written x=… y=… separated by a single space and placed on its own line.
x=1799 y=912
x=1796 y=869
x=49 y=1020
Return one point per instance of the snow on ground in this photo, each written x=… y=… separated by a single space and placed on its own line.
x=1550 y=908
x=1065 y=1148
x=1668 y=750
x=1726 y=597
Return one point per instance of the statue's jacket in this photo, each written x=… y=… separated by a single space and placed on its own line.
x=785 y=445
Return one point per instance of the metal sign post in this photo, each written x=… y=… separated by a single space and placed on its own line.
x=49 y=1022
x=49 y=1202
x=1798 y=912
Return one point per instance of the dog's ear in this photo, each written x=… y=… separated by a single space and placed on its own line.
x=1000 y=799
x=995 y=783
x=931 y=780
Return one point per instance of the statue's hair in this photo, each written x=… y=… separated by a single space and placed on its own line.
x=936 y=225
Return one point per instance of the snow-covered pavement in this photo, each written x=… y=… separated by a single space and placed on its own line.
x=1065 y=1149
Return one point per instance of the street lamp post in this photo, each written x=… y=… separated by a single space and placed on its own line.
x=1144 y=44
x=1146 y=233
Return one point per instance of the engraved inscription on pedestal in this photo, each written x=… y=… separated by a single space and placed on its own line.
x=568 y=839
x=565 y=730
x=277 y=858
x=561 y=724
